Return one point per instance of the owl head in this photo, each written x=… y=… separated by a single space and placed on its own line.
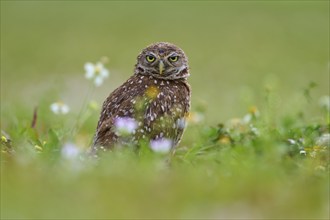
x=163 y=60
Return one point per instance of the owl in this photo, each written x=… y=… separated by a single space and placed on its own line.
x=152 y=105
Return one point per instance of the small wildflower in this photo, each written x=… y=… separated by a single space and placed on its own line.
x=162 y=145
x=195 y=117
x=59 y=108
x=254 y=111
x=302 y=152
x=255 y=130
x=38 y=148
x=4 y=139
x=224 y=139
x=6 y=143
x=96 y=72
x=324 y=140
x=247 y=118
x=70 y=151
x=325 y=102
x=291 y=141
x=125 y=125
x=93 y=105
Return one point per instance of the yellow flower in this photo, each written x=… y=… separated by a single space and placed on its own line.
x=38 y=148
x=4 y=139
x=254 y=111
x=224 y=140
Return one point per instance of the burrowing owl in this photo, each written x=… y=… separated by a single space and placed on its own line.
x=156 y=99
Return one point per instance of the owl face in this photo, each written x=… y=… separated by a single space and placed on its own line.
x=162 y=60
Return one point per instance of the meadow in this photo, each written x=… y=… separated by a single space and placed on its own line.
x=257 y=140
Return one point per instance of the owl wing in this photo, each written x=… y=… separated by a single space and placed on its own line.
x=120 y=103
x=179 y=117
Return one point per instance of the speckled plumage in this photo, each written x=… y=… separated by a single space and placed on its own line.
x=157 y=98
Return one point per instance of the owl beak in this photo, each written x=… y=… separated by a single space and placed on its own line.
x=161 y=67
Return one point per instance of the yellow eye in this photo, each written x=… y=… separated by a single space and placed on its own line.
x=173 y=58
x=150 y=58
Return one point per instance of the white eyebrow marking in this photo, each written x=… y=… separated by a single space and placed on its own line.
x=173 y=54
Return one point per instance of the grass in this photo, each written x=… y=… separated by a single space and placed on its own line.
x=256 y=146
x=247 y=168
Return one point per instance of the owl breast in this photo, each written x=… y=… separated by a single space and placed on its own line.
x=166 y=104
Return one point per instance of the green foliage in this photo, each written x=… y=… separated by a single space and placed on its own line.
x=243 y=168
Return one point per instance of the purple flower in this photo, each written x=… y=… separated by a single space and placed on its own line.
x=70 y=151
x=125 y=125
x=162 y=145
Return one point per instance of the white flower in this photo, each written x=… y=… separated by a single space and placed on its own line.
x=324 y=140
x=96 y=72
x=247 y=119
x=59 y=108
x=254 y=130
x=125 y=125
x=325 y=102
x=70 y=151
x=253 y=113
x=303 y=152
x=162 y=145
x=291 y=141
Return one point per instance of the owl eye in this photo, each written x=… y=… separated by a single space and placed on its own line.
x=173 y=58
x=150 y=58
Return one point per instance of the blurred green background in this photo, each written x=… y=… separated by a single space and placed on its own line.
x=236 y=49
x=240 y=53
